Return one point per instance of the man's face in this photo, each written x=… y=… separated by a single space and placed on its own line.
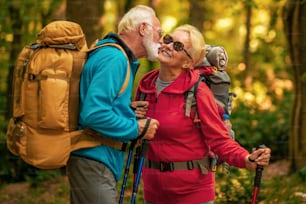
x=151 y=40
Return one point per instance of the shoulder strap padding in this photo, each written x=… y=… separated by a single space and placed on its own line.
x=190 y=97
x=79 y=59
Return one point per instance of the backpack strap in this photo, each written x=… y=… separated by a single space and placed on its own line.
x=190 y=102
x=79 y=59
x=142 y=96
x=89 y=137
x=127 y=77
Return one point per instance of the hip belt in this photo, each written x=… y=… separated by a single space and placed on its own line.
x=202 y=164
x=93 y=136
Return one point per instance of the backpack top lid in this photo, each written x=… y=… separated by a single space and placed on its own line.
x=215 y=56
x=62 y=32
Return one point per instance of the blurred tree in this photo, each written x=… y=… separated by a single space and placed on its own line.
x=88 y=15
x=15 y=15
x=197 y=13
x=124 y=6
x=294 y=18
x=23 y=29
x=248 y=4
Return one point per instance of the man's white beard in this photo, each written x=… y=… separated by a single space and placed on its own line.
x=151 y=47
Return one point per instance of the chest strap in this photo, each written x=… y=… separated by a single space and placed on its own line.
x=202 y=164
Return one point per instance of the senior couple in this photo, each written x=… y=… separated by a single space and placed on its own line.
x=93 y=172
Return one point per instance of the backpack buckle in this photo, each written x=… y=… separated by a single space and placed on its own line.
x=190 y=165
x=166 y=166
x=31 y=77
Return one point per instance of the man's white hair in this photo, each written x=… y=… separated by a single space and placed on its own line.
x=135 y=16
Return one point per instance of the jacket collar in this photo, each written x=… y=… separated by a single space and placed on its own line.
x=120 y=42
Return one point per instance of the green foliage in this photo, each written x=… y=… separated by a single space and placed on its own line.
x=302 y=174
x=237 y=187
x=283 y=189
x=52 y=191
x=38 y=176
x=234 y=187
x=254 y=126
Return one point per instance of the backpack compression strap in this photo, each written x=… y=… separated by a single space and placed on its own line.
x=127 y=77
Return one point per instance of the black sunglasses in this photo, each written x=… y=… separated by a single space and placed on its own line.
x=177 y=46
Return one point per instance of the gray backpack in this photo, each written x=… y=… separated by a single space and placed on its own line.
x=212 y=72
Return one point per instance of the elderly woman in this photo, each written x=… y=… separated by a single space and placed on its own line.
x=177 y=168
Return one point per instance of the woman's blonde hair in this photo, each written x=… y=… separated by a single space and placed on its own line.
x=135 y=16
x=197 y=42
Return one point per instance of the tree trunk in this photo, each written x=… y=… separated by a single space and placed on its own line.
x=87 y=14
x=246 y=49
x=17 y=33
x=197 y=13
x=294 y=18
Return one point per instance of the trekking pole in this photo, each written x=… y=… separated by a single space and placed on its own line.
x=136 y=162
x=257 y=180
x=126 y=171
x=143 y=152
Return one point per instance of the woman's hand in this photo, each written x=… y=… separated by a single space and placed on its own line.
x=260 y=156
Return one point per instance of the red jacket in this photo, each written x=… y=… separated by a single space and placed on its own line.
x=178 y=139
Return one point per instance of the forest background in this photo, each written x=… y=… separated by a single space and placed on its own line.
x=265 y=41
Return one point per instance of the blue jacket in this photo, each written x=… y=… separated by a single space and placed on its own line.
x=101 y=108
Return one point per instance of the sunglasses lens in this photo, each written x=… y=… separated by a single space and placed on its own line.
x=167 y=39
x=178 y=46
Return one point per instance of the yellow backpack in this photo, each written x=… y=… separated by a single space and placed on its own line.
x=43 y=129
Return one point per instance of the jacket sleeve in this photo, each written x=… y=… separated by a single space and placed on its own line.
x=214 y=131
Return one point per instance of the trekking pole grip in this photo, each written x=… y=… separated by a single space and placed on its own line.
x=257 y=179
x=259 y=170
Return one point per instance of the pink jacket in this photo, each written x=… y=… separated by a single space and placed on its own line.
x=178 y=139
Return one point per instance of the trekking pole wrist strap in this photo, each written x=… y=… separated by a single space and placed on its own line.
x=251 y=160
x=145 y=129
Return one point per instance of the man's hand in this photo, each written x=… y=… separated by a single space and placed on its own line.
x=260 y=156
x=140 y=108
x=151 y=130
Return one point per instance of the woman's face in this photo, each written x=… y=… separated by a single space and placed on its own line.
x=175 y=49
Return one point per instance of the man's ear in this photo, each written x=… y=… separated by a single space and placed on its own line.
x=142 y=29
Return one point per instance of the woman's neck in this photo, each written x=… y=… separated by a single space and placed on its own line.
x=167 y=74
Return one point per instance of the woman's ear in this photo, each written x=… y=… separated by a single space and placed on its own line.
x=188 y=64
x=201 y=57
